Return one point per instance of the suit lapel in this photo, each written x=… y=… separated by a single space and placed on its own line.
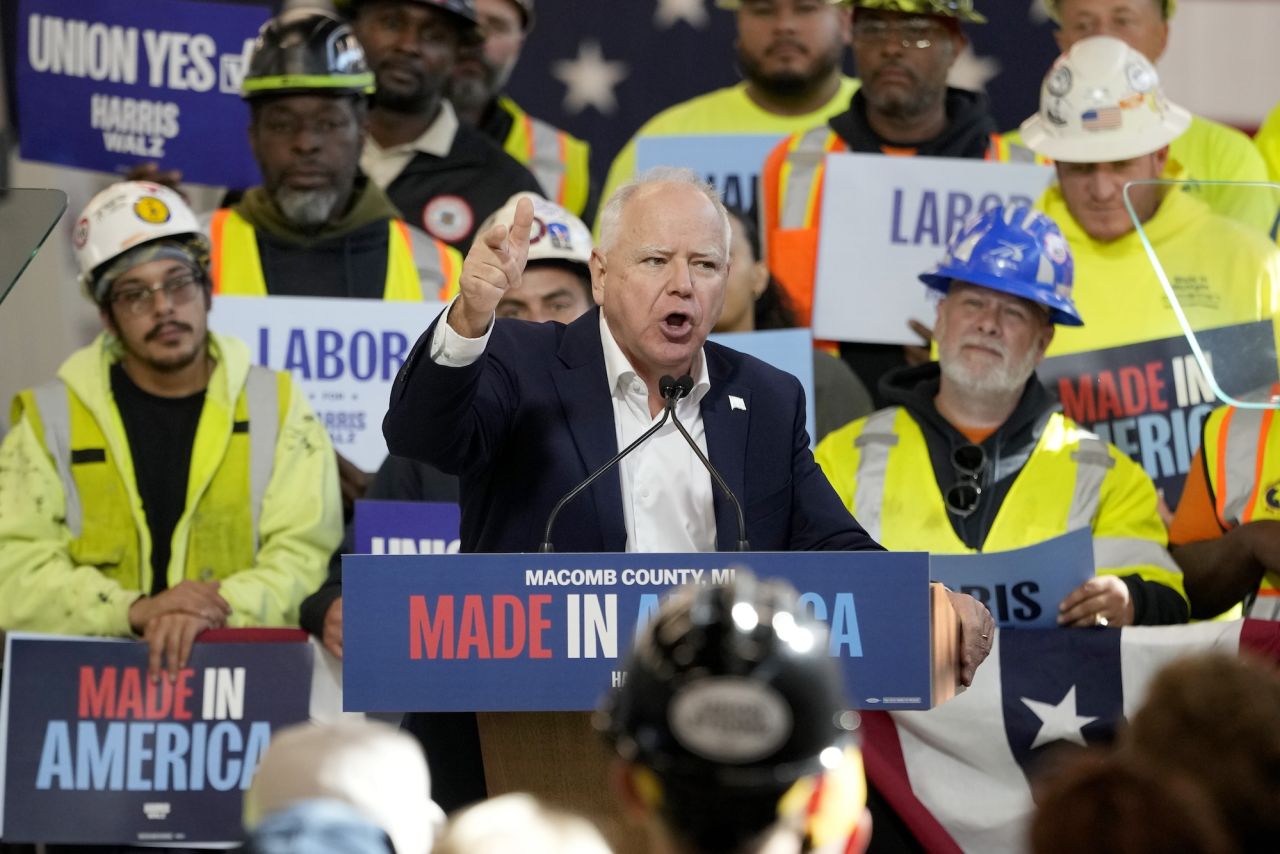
x=582 y=386
x=725 y=417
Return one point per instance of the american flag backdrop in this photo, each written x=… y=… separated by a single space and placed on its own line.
x=601 y=68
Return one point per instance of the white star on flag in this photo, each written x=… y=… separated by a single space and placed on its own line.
x=692 y=12
x=590 y=79
x=1039 y=12
x=1060 y=722
x=973 y=72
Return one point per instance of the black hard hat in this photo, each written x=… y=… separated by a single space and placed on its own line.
x=306 y=51
x=464 y=11
x=731 y=687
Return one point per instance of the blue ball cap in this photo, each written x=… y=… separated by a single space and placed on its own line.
x=1014 y=249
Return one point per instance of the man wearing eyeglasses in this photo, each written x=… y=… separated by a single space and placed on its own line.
x=161 y=485
x=974 y=454
x=903 y=50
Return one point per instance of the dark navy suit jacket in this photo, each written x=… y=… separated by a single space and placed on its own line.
x=533 y=417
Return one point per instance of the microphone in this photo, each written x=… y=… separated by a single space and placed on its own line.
x=682 y=387
x=671 y=391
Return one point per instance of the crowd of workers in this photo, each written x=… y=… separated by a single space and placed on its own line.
x=162 y=485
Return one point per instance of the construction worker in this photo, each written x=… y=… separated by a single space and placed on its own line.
x=975 y=456
x=1226 y=531
x=317 y=227
x=1207 y=151
x=731 y=729
x=903 y=50
x=161 y=485
x=443 y=175
x=790 y=53
x=560 y=162
x=1104 y=121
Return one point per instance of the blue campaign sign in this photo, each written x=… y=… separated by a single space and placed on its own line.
x=790 y=350
x=1021 y=588
x=113 y=83
x=85 y=734
x=1150 y=399
x=531 y=632
x=407 y=527
x=730 y=162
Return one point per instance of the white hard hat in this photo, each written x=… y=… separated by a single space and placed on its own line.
x=127 y=215
x=1101 y=102
x=557 y=235
x=372 y=766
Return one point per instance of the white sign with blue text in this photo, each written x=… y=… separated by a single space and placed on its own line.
x=343 y=352
x=885 y=220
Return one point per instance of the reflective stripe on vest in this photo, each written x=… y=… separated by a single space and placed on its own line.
x=881 y=435
x=262 y=398
x=1092 y=460
x=236 y=266
x=873 y=443
x=800 y=181
x=1243 y=447
x=55 y=416
x=545 y=157
x=98 y=504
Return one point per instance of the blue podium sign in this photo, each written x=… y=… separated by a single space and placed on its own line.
x=86 y=736
x=531 y=632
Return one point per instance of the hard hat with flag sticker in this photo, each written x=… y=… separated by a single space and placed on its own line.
x=557 y=235
x=733 y=717
x=306 y=51
x=125 y=217
x=1101 y=102
x=1014 y=249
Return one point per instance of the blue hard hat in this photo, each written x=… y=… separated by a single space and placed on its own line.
x=1014 y=249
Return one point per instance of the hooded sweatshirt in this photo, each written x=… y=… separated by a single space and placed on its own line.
x=1007 y=450
x=344 y=258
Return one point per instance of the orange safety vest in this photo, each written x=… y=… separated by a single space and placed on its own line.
x=792 y=189
x=1241 y=450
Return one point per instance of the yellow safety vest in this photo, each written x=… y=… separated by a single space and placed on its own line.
x=881 y=469
x=560 y=162
x=236 y=267
x=1242 y=461
x=99 y=507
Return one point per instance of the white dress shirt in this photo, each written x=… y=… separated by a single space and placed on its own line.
x=667 y=499
x=382 y=165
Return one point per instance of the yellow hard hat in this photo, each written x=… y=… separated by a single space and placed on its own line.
x=1167 y=8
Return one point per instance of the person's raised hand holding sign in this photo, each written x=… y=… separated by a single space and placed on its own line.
x=493 y=265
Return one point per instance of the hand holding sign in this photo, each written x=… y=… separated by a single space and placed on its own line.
x=494 y=265
x=1101 y=601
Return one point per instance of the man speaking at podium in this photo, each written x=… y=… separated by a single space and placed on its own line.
x=526 y=412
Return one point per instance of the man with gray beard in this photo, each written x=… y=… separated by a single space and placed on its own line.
x=317 y=227
x=974 y=455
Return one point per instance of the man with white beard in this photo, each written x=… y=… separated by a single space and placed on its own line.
x=976 y=456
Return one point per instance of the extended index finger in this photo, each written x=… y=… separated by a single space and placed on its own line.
x=522 y=225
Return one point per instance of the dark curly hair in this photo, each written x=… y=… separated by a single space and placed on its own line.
x=773 y=309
